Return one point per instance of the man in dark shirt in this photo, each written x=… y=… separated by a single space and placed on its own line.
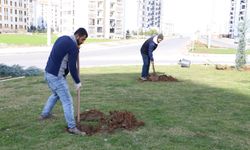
x=62 y=60
x=147 y=54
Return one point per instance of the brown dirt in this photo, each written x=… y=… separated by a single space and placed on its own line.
x=226 y=67
x=247 y=68
x=94 y=121
x=164 y=78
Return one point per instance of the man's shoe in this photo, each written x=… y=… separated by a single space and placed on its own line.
x=76 y=131
x=143 y=78
x=46 y=117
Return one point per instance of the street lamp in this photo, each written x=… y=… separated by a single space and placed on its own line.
x=49 y=23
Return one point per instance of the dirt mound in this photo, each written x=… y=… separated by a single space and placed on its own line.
x=224 y=67
x=94 y=121
x=227 y=67
x=247 y=68
x=166 y=78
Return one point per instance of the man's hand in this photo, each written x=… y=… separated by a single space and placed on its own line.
x=78 y=86
x=152 y=62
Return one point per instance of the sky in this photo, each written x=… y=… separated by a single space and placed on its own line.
x=187 y=16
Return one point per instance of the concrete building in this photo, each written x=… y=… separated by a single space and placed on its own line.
x=13 y=15
x=105 y=18
x=238 y=13
x=40 y=12
x=102 y=18
x=149 y=14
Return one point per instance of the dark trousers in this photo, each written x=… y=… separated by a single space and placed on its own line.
x=146 y=65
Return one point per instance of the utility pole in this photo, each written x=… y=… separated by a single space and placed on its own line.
x=49 y=23
x=209 y=37
x=138 y=16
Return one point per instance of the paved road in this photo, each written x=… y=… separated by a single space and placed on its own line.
x=115 y=53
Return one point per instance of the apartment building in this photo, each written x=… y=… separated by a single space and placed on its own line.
x=149 y=14
x=67 y=16
x=106 y=18
x=102 y=18
x=13 y=15
x=238 y=13
x=40 y=12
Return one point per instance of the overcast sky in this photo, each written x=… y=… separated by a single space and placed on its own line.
x=187 y=15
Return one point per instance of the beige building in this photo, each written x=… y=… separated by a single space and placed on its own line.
x=13 y=15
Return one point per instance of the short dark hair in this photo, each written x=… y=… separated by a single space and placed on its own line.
x=81 y=32
x=160 y=36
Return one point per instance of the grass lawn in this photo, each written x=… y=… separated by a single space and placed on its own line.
x=34 y=39
x=207 y=110
x=202 y=48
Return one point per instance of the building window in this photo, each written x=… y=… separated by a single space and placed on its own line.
x=99 y=29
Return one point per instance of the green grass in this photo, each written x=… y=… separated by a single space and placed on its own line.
x=25 y=39
x=34 y=39
x=202 y=48
x=207 y=109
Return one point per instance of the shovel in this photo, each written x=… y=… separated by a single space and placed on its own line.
x=154 y=76
x=78 y=92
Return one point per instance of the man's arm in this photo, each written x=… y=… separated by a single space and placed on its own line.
x=150 y=52
x=72 y=64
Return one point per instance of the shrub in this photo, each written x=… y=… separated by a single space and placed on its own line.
x=17 y=70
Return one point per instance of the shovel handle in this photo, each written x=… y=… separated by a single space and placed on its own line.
x=153 y=66
x=78 y=106
x=78 y=91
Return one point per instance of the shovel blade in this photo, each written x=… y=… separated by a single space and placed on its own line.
x=154 y=77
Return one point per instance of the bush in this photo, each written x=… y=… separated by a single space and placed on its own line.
x=17 y=70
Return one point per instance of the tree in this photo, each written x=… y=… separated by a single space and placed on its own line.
x=151 y=32
x=241 y=50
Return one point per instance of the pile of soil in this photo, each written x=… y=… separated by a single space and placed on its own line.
x=224 y=67
x=247 y=68
x=227 y=67
x=94 y=121
x=165 y=78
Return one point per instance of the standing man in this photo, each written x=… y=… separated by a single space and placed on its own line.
x=147 y=54
x=62 y=60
